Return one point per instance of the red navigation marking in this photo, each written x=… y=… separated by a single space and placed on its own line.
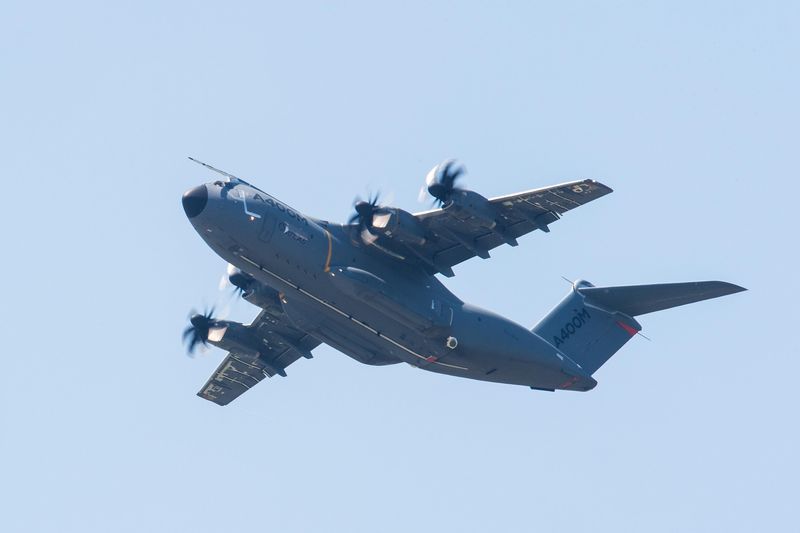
x=569 y=383
x=431 y=359
x=631 y=330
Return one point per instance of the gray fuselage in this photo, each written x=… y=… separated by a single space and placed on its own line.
x=365 y=301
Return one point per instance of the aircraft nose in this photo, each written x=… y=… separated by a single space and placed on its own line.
x=195 y=200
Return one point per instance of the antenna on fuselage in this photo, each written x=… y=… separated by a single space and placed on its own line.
x=565 y=278
x=218 y=171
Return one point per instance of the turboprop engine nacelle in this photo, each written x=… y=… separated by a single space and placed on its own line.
x=253 y=290
x=234 y=337
x=400 y=225
x=473 y=204
x=245 y=343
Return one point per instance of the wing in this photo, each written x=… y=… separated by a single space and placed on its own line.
x=237 y=374
x=456 y=236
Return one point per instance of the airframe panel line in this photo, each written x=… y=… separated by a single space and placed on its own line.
x=330 y=252
x=243 y=196
x=355 y=321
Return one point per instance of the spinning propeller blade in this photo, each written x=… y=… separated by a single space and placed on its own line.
x=197 y=332
x=363 y=218
x=440 y=181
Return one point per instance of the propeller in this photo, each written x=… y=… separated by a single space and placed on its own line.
x=363 y=217
x=241 y=281
x=198 y=332
x=224 y=280
x=238 y=281
x=440 y=181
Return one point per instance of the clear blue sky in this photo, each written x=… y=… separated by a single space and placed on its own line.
x=688 y=110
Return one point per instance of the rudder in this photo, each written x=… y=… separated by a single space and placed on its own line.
x=587 y=334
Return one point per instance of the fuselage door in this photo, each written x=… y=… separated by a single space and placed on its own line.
x=268 y=227
x=441 y=313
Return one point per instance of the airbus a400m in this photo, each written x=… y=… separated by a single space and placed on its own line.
x=369 y=288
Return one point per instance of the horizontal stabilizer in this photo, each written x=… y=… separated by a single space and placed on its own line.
x=637 y=300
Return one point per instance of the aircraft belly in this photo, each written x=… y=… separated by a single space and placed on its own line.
x=510 y=372
x=490 y=349
x=372 y=331
x=396 y=301
x=499 y=350
x=364 y=333
x=379 y=322
x=337 y=331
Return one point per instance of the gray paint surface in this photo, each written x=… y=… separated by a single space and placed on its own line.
x=374 y=297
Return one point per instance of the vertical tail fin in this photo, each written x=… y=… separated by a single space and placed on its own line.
x=592 y=323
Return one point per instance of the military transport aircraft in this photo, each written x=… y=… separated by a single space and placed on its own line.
x=369 y=288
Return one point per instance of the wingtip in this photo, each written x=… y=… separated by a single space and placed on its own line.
x=726 y=288
x=736 y=288
x=602 y=185
x=213 y=400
